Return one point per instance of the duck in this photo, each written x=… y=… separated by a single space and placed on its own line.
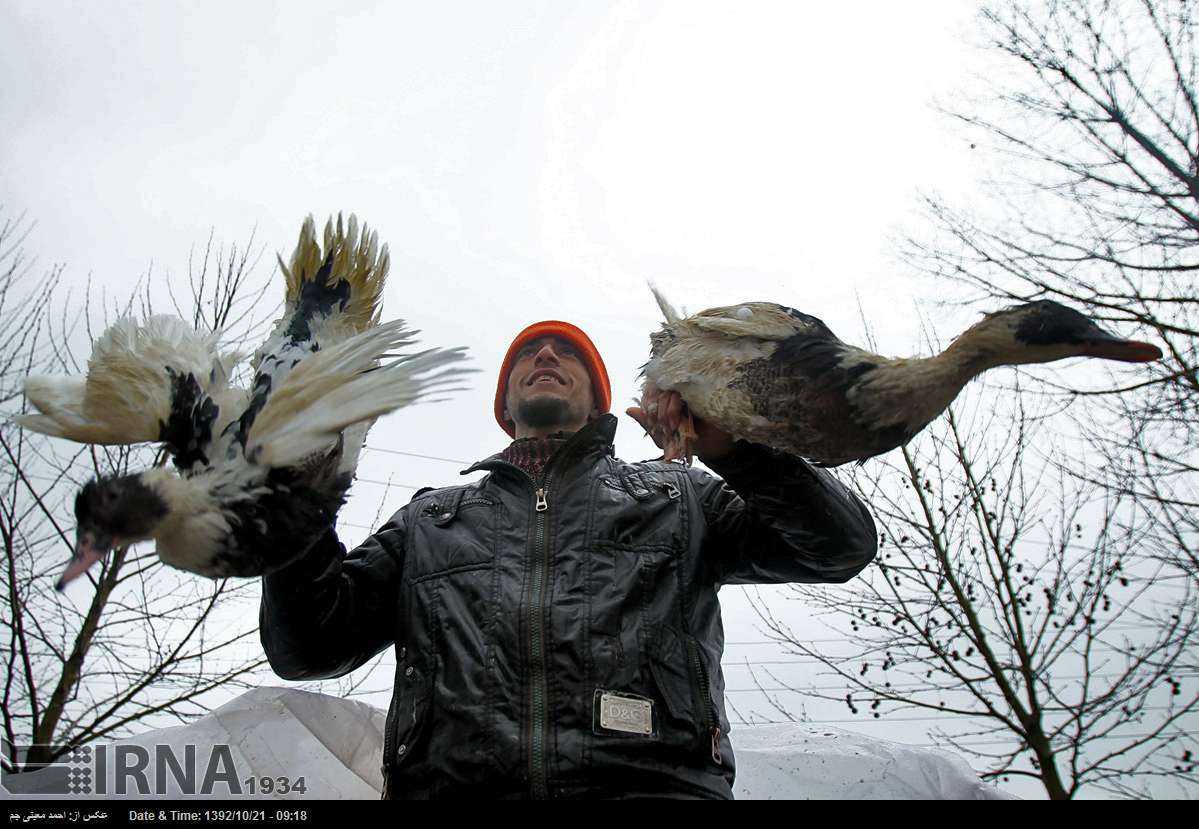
x=259 y=471
x=769 y=374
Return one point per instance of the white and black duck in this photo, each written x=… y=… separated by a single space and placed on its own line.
x=259 y=470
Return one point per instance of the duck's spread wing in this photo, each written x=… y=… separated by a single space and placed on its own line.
x=332 y=292
x=344 y=385
x=157 y=381
x=329 y=364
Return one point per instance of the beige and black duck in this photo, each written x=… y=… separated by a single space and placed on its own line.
x=770 y=374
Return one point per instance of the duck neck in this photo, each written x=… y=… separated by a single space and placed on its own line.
x=911 y=392
x=194 y=521
x=967 y=357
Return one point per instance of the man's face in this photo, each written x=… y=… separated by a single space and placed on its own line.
x=549 y=387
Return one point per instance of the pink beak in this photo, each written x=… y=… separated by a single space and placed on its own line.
x=1126 y=351
x=88 y=550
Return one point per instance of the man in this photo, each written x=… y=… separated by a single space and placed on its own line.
x=556 y=626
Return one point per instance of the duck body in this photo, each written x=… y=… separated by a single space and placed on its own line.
x=773 y=375
x=792 y=387
x=230 y=520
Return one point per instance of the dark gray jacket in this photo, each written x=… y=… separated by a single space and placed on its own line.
x=519 y=609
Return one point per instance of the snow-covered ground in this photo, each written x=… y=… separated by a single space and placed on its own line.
x=335 y=745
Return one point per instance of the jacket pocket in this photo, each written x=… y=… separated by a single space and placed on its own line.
x=670 y=667
x=662 y=678
x=637 y=511
x=450 y=532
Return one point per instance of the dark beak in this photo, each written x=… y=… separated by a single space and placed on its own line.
x=1099 y=343
x=90 y=547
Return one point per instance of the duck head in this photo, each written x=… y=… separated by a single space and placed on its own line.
x=110 y=513
x=1044 y=331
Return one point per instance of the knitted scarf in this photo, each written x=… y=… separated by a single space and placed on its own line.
x=532 y=454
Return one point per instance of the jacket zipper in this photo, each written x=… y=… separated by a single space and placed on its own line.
x=535 y=617
x=538 y=712
x=711 y=715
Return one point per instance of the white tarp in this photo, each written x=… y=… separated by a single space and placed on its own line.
x=335 y=745
x=795 y=761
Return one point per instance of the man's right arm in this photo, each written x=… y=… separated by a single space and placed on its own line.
x=329 y=612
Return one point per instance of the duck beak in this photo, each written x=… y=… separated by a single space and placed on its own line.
x=1099 y=343
x=1125 y=350
x=90 y=547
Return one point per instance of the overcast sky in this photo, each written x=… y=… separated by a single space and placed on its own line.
x=523 y=160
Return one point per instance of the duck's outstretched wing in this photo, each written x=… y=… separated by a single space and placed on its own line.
x=333 y=292
x=337 y=286
x=345 y=385
x=156 y=381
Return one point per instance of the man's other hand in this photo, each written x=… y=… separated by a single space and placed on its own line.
x=661 y=413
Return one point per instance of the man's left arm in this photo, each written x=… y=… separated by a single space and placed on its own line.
x=774 y=518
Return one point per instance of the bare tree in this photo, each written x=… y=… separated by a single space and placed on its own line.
x=147 y=645
x=1012 y=601
x=1039 y=582
x=1098 y=206
x=22 y=310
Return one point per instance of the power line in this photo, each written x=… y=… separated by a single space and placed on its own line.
x=385 y=483
x=751 y=723
x=460 y=463
x=1107 y=651
x=879 y=719
x=779 y=642
x=1186 y=734
x=355 y=526
x=899 y=685
x=892 y=644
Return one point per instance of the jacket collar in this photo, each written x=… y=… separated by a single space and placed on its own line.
x=594 y=438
